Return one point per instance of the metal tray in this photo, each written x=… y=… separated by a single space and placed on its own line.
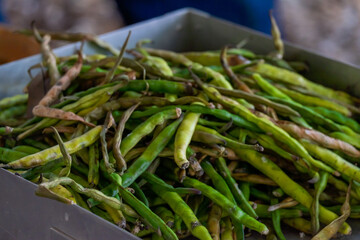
x=23 y=215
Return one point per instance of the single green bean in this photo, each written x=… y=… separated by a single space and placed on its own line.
x=238 y=195
x=213 y=222
x=120 y=161
x=218 y=113
x=139 y=193
x=166 y=215
x=332 y=159
x=262 y=211
x=203 y=132
x=315 y=101
x=309 y=114
x=147 y=127
x=152 y=219
x=288 y=77
x=9 y=155
x=26 y=149
x=180 y=208
x=217 y=180
x=48 y=167
x=259 y=194
x=235 y=212
x=338 y=117
x=65 y=155
x=300 y=224
x=143 y=162
x=275 y=216
x=53 y=153
x=12 y=112
x=280 y=108
x=13 y=101
x=314 y=210
x=183 y=138
x=217 y=78
x=35 y=144
x=93 y=173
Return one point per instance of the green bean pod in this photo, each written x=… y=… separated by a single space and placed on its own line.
x=221 y=185
x=48 y=167
x=143 y=162
x=314 y=210
x=53 y=153
x=238 y=195
x=217 y=78
x=26 y=149
x=234 y=211
x=338 y=117
x=262 y=211
x=218 y=113
x=218 y=181
x=332 y=159
x=180 y=208
x=264 y=124
x=158 y=86
x=8 y=155
x=275 y=216
x=183 y=138
x=12 y=112
x=300 y=224
x=291 y=188
x=166 y=215
x=151 y=218
x=139 y=193
x=286 y=76
x=280 y=108
x=93 y=173
x=213 y=222
x=315 y=101
x=13 y=101
x=146 y=128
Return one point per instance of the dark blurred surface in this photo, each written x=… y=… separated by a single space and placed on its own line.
x=250 y=13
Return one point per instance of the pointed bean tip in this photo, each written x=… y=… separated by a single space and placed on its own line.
x=314 y=179
x=259 y=148
x=170 y=224
x=185 y=165
x=265 y=232
x=122 y=224
x=8 y=130
x=271 y=208
x=178 y=112
x=4 y=166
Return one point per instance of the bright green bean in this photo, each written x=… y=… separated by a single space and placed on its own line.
x=143 y=162
x=235 y=212
x=146 y=128
x=180 y=208
x=183 y=138
x=53 y=153
x=238 y=195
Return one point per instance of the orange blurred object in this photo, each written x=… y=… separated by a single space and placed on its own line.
x=14 y=46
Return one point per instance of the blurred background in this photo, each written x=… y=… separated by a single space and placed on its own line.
x=331 y=27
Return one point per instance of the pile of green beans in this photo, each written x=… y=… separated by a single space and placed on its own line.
x=210 y=144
